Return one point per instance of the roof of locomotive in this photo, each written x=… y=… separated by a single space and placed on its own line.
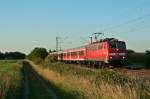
x=106 y=40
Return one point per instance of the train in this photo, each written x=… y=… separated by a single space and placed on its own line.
x=104 y=51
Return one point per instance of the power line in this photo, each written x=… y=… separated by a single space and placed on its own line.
x=138 y=7
x=128 y=22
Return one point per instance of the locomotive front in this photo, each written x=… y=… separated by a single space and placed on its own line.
x=117 y=51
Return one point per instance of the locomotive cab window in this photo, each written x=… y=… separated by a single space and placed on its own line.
x=121 y=45
x=117 y=45
x=112 y=45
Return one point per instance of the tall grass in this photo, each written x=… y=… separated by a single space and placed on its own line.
x=10 y=79
x=98 y=84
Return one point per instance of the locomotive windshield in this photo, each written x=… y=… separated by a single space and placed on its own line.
x=117 y=45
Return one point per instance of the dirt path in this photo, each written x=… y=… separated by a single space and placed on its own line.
x=26 y=84
x=35 y=87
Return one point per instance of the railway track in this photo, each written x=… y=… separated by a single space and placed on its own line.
x=137 y=73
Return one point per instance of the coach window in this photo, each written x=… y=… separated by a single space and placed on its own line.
x=68 y=54
x=65 y=54
x=81 y=52
x=94 y=47
x=100 y=46
x=90 y=48
x=73 y=53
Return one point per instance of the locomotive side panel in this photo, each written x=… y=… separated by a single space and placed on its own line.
x=97 y=52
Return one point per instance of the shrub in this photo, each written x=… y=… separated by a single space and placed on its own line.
x=111 y=77
x=38 y=55
x=147 y=62
x=51 y=58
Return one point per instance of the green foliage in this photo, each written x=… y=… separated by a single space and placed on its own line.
x=111 y=77
x=10 y=79
x=136 y=57
x=129 y=51
x=99 y=77
x=147 y=62
x=2 y=56
x=68 y=69
x=38 y=54
x=51 y=58
x=12 y=55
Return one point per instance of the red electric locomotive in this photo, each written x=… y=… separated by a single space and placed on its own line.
x=107 y=50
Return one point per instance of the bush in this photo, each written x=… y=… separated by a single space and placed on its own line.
x=38 y=55
x=51 y=58
x=12 y=55
x=136 y=57
x=112 y=77
x=147 y=62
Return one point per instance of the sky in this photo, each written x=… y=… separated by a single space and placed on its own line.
x=26 y=24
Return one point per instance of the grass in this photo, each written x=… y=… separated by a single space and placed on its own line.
x=63 y=90
x=76 y=83
x=10 y=79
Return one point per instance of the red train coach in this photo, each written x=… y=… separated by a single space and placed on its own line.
x=105 y=51
x=75 y=54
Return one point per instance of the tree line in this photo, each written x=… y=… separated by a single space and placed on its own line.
x=12 y=55
x=39 y=55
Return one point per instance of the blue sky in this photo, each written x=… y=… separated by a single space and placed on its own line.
x=25 y=24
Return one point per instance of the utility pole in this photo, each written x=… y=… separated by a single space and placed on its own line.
x=91 y=39
x=57 y=42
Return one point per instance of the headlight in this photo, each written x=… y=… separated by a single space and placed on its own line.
x=124 y=57
x=122 y=54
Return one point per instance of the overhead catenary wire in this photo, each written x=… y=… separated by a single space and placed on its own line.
x=128 y=22
x=145 y=4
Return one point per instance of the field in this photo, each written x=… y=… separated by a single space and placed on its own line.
x=77 y=83
x=10 y=79
x=19 y=81
x=26 y=80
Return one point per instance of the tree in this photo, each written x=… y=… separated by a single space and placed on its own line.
x=2 y=56
x=12 y=55
x=147 y=62
x=38 y=54
x=52 y=51
x=130 y=51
